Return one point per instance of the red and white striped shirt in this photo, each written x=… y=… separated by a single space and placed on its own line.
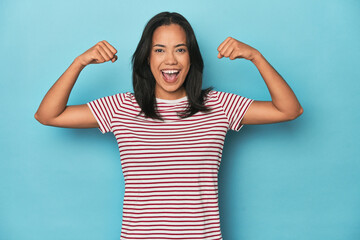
x=170 y=168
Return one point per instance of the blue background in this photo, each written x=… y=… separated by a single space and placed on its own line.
x=293 y=180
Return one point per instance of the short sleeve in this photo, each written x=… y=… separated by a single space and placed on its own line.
x=103 y=110
x=234 y=107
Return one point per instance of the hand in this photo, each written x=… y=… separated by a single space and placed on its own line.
x=233 y=49
x=101 y=52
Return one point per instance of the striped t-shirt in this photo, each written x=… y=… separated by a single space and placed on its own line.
x=170 y=168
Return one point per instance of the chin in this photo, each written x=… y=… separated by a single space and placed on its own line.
x=171 y=89
x=171 y=85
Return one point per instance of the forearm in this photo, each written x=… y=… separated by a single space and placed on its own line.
x=282 y=95
x=56 y=98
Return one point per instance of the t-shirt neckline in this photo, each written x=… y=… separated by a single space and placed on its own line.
x=171 y=101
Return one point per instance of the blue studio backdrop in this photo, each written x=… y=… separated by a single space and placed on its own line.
x=292 y=180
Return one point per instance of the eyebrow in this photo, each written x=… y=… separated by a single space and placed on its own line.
x=160 y=45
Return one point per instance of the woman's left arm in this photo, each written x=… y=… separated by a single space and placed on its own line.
x=284 y=105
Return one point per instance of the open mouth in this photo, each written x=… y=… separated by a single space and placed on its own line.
x=170 y=75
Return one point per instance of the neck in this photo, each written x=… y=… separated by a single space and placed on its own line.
x=171 y=96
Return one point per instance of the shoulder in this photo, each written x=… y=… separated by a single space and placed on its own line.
x=128 y=99
x=129 y=96
x=212 y=94
x=124 y=96
x=228 y=99
x=117 y=99
x=220 y=95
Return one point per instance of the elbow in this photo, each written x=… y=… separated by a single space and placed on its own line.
x=301 y=111
x=39 y=119
x=36 y=116
x=297 y=114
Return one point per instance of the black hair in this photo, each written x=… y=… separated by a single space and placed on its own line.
x=144 y=81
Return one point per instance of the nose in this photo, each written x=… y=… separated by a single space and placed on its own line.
x=170 y=59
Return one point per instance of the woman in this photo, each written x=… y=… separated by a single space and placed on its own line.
x=170 y=132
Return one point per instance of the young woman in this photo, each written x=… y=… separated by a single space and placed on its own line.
x=170 y=131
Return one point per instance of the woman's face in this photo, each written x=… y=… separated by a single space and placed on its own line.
x=169 y=61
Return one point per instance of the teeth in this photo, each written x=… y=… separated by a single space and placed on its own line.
x=170 y=71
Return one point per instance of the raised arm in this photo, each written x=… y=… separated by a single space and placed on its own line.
x=284 y=105
x=53 y=110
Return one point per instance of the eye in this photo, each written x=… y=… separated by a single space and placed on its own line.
x=158 y=50
x=182 y=50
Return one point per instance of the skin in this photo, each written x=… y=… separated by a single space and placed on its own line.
x=54 y=111
x=169 y=51
x=284 y=105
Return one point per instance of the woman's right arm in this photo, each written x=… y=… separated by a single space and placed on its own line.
x=53 y=110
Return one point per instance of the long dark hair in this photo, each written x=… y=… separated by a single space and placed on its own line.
x=144 y=81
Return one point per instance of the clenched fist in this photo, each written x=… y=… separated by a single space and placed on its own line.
x=233 y=49
x=101 y=52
